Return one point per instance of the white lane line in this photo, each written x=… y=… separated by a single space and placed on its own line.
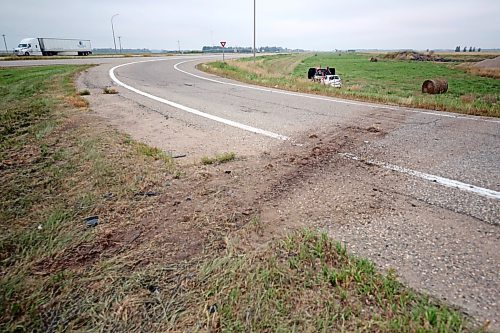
x=191 y=110
x=330 y=99
x=487 y=193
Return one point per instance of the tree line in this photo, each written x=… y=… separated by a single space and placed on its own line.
x=471 y=49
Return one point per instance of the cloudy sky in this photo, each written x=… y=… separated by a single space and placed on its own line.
x=307 y=24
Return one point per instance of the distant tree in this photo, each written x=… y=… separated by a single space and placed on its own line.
x=474 y=49
x=457 y=49
x=479 y=50
x=470 y=48
x=465 y=49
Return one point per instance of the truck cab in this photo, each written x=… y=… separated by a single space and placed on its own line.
x=27 y=47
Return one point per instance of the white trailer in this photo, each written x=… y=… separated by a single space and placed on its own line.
x=53 y=46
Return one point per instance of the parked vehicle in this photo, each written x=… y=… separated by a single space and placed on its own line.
x=53 y=46
x=332 y=80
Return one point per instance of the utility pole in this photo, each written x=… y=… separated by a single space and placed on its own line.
x=179 y=45
x=120 y=41
x=254 y=30
x=5 y=43
x=113 y=30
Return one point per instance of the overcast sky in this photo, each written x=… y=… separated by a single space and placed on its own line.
x=307 y=24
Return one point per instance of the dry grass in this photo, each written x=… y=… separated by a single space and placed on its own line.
x=78 y=102
x=355 y=87
x=468 y=99
x=486 y=72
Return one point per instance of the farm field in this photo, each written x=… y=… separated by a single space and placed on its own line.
x=389 y=81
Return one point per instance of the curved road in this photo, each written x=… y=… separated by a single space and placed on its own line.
x=447 y=165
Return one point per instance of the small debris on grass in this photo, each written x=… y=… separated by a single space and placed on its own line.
x=147 y=194
x=212 y=308
x=92 y=221
x=153 y=289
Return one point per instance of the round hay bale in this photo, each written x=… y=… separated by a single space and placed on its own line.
x=436 y=86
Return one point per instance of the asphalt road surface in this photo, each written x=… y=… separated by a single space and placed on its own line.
x=435 y=176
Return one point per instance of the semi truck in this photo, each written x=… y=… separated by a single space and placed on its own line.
x=53 y=46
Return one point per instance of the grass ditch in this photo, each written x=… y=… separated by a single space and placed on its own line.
x=395 y=82
x=59 y=165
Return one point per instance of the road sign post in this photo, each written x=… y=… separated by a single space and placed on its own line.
x=223 y=44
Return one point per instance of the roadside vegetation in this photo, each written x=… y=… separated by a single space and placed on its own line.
x=388 y=81
x=60 y=165
x=218 y=159
x=309 y=283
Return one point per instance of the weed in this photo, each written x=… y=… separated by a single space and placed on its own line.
x=218 y=159
x=155 y=153
x=85 y=92
x=110 y=91
x=78 y=102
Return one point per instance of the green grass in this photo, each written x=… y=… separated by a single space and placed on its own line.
x=155 y=153
x=218 y=159
x=385 y=81
x=309 y=283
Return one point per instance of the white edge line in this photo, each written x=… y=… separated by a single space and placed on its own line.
x=331 y=99
x=491 y=194
x=191 y=110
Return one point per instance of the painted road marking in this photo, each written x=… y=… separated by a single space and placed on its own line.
x=487 y=193
x=335 y=100
x=191 y=110
x=436 y=179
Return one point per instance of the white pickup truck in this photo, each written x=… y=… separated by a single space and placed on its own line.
x=331 y=80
